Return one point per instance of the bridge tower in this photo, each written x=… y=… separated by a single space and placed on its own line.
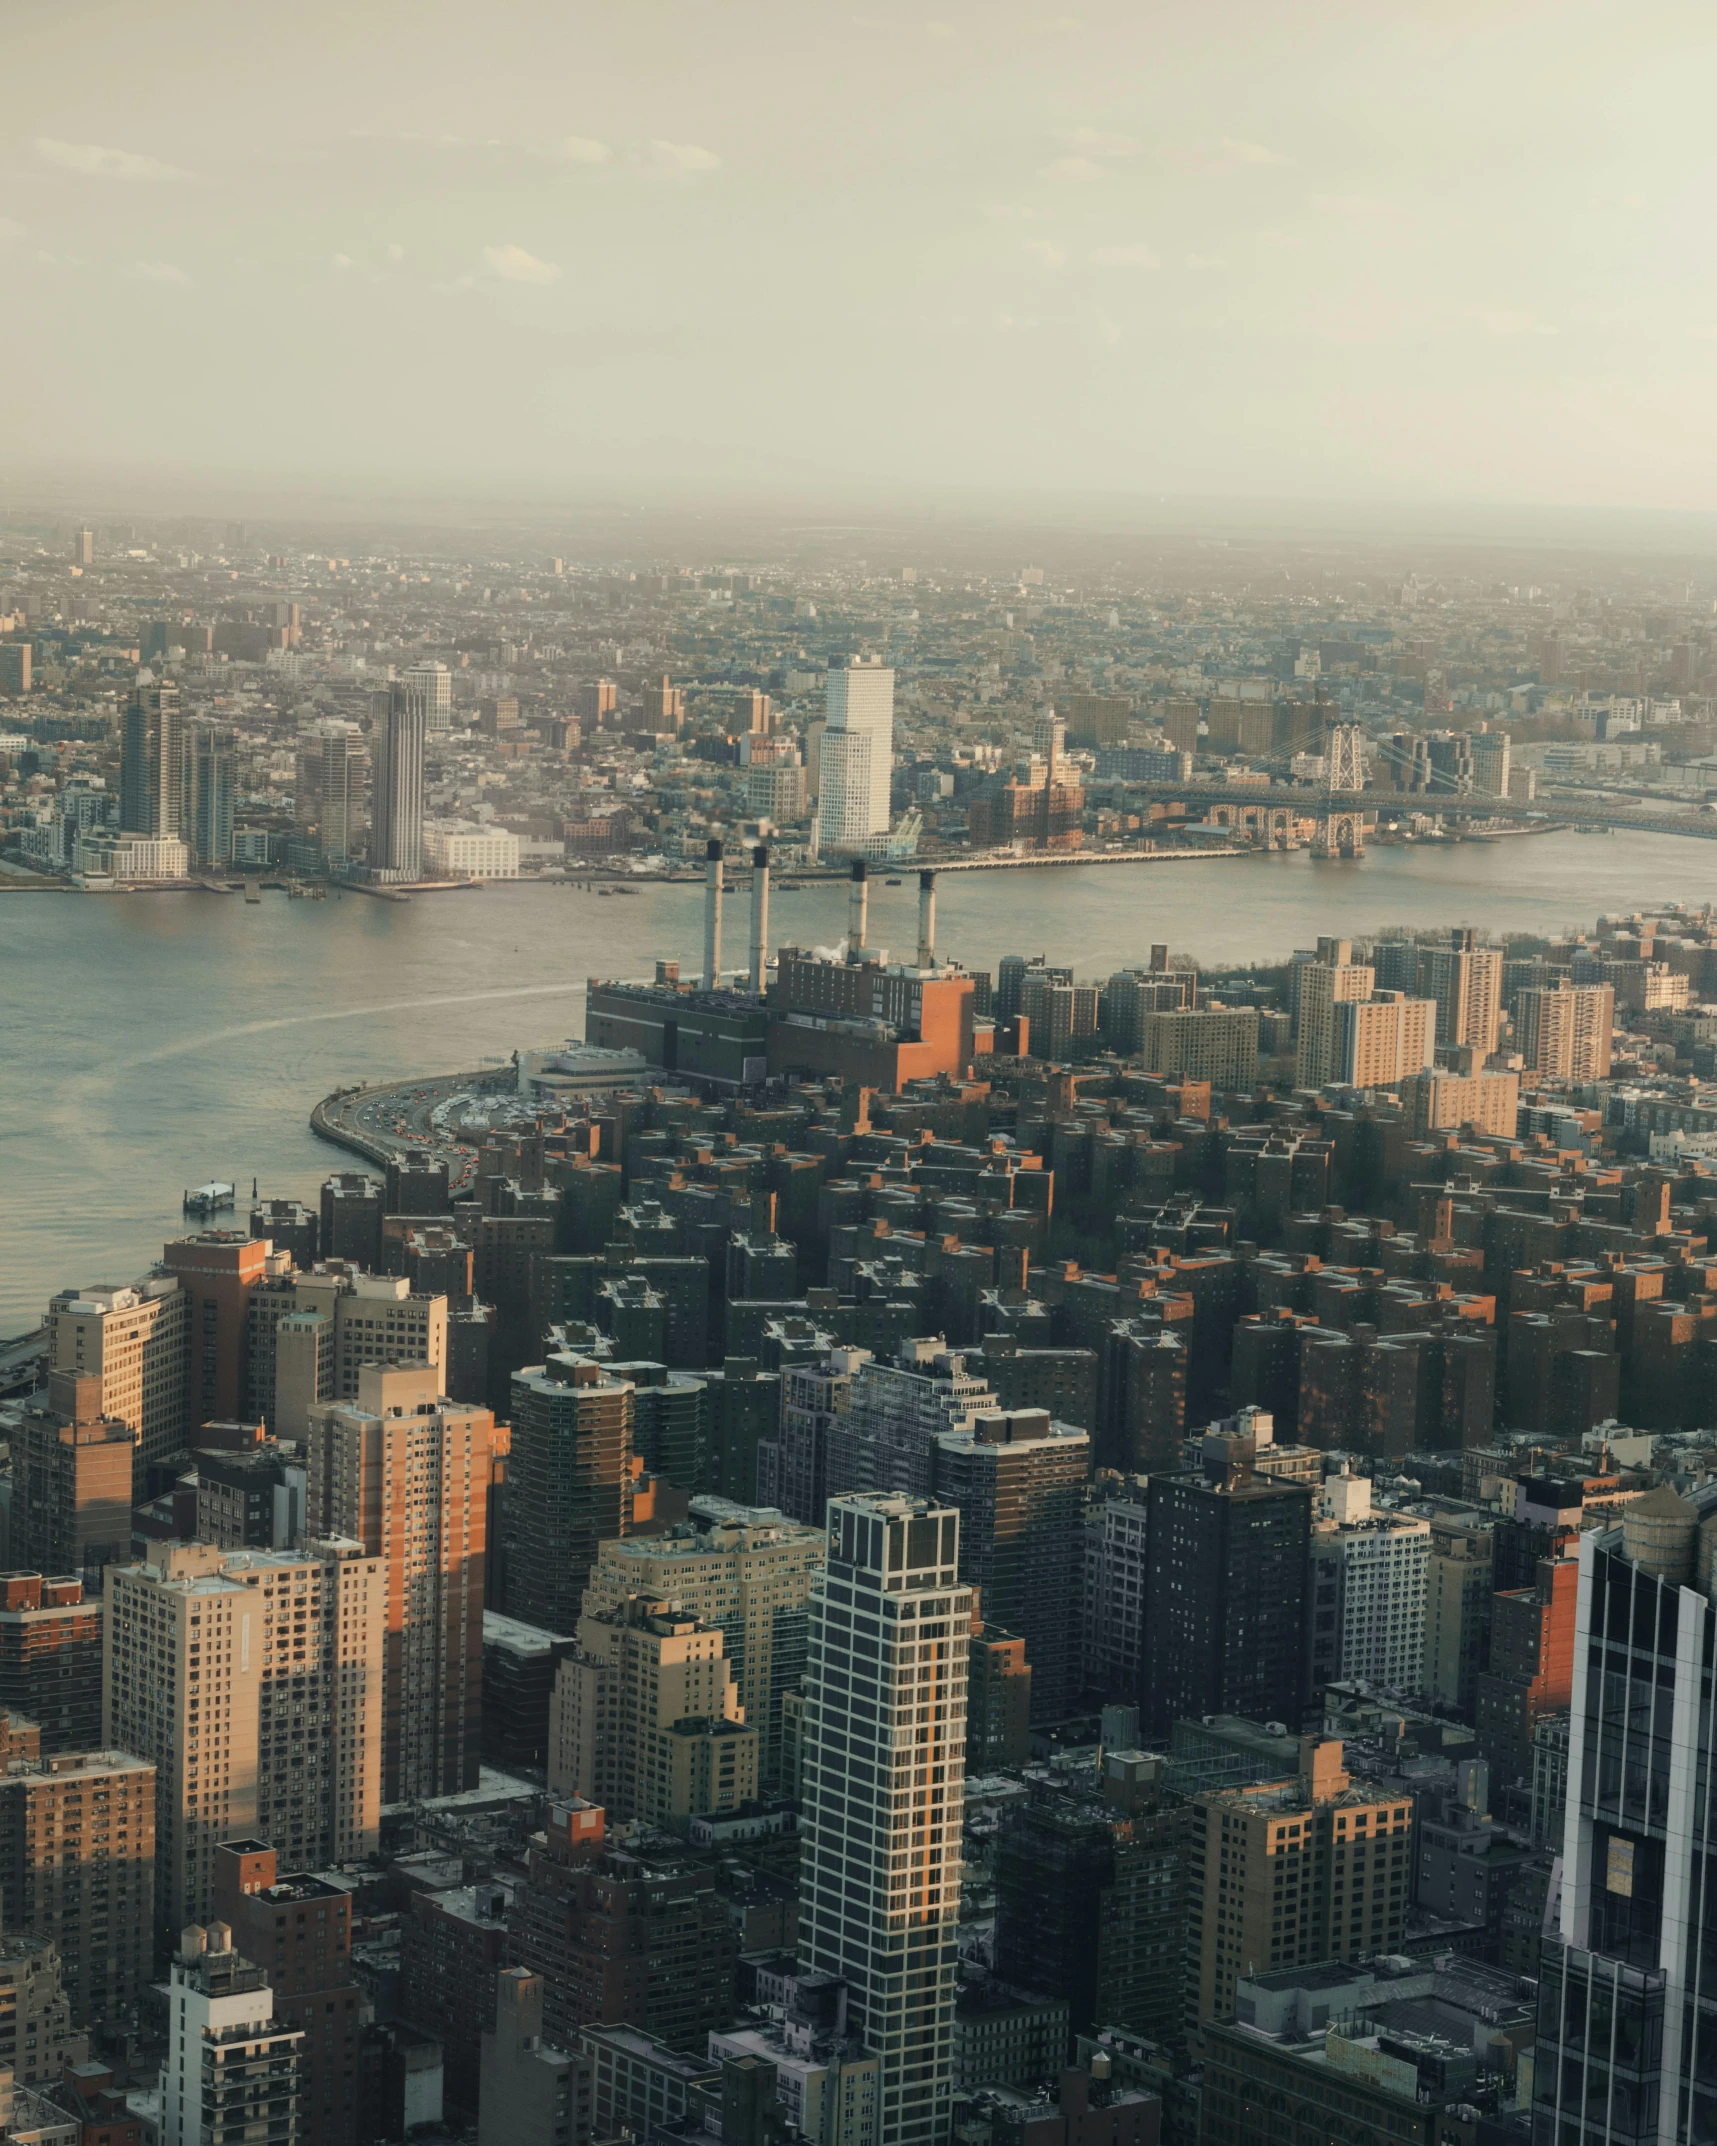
x=1341 y=828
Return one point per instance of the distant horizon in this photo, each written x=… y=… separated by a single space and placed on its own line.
x=607 y=523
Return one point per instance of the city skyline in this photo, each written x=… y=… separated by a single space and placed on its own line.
x=929 y=799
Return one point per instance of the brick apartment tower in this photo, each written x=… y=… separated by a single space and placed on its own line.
x=298 y=1930
x=406 y=1472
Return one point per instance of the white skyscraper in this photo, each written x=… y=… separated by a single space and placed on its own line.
x=884 y=1769
x=856 y=756
x=435 y=682
x=232 y=2069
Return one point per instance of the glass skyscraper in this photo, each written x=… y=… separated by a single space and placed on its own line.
x=1627 y=2027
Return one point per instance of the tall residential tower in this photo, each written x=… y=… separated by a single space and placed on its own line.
x=884 y=1787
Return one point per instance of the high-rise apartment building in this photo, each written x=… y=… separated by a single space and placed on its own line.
x=37 y=2040
x=1058 y=1013
x=885 y=1439
x=998 y=1698
x=1563 y=1030
x=742 y=1570
x=1367 y=1590
x=432 y=682
x=793 y=1469
x=531 y=2094
x=1492 y=757
x=350 y=1210
x=884 y=1787
x=1091 y=1903
x=857 y=756
x=1017 y=1479
x=1314 y=1867
x=398 y=727
x=646 y=1720
x=596 y=702
x=136 y=1341
x=71 y=1480
x=232 y=2073
x=298 y=1929
x=1531 y=1667
x=1458 y=1584
x=252 y=1680
x=1227 y=1576
x=1329 y=979
x=331 y=792
x=1438 y=1101
x=50 y=1658
x=77 y=1868
x=407 y=1474
x=217 y=1269
x=1383 y=1040
x=1214 y=1043
x=311 y=1336
x=1112 y=1595
x=152 y=760
x=569 y=1485
x=1465 y=980
x=635 y=1938
x=661 y=708
x=210 y=776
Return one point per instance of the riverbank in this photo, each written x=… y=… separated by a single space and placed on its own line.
x=155 y=1045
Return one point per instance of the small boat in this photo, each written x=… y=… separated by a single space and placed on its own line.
x=252 y=892
x=891 y=882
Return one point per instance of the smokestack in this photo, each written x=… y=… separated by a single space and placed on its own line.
x=759 y=915
x=858 y=908
x=712 y=916
x=926 y=920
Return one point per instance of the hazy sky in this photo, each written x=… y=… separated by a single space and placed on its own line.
x=1413 y=249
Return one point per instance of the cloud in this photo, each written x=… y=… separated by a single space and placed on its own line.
x=96 y=162
x=518 y=266
x=1004 y=212
x=580 y=149
x=1136 y=256
x=344 y=260
x=1225 y=154
x=9 y=230
x=1089 y=141
x=396 y=253
x=158 y=272
x=1251 y=152
x=677 y=158
x=1511 y=321
x=1045 y=252
x=1361 y=208
x=1072 y=171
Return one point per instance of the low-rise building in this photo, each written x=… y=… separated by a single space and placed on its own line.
x=457 y=849
x=1385 y=2052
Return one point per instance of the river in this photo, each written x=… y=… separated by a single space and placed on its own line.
x=150 y=1042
